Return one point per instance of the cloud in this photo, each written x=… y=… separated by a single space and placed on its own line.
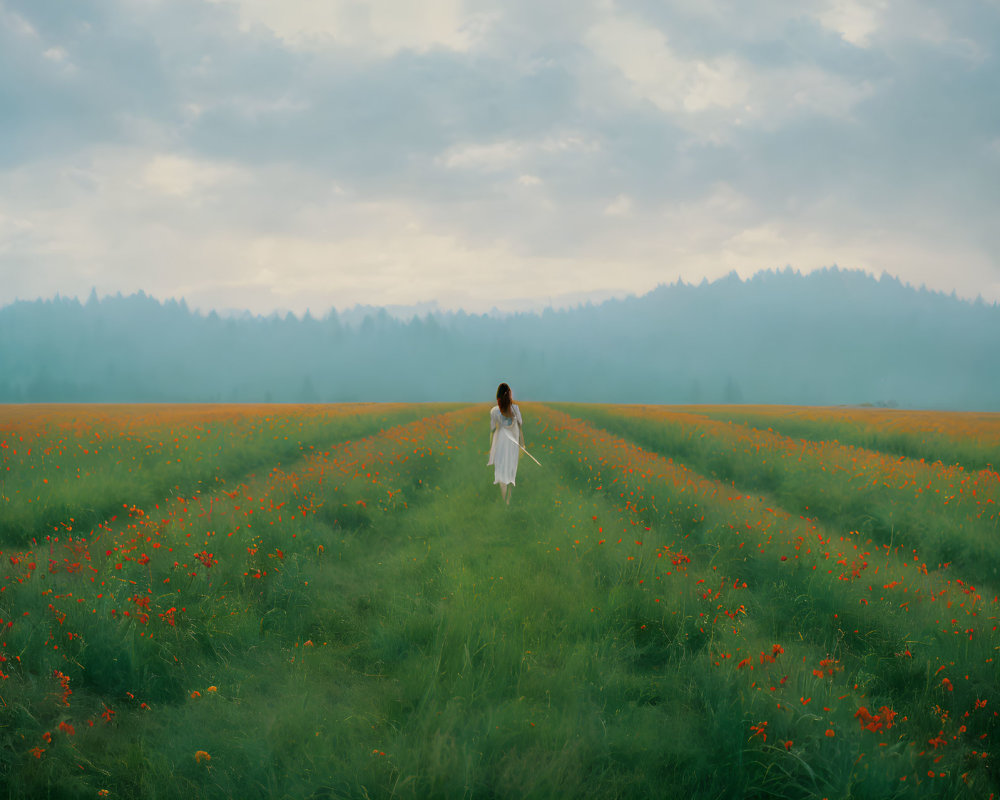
x=56 y=54
x=489 y=157
x=655 y=73
x=184 y=177
x=507 y=154
x=726 y=89
x=854 y=21
x=382 y=27
x=284 y=238
x=16 y=24
x=621 y=206
x=242 y=151
x=895 y=23
x=209 y=231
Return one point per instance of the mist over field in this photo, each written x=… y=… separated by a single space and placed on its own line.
x=829 y=337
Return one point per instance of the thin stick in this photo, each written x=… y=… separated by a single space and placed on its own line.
x=515 y=441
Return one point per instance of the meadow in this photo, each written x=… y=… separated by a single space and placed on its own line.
x=331 y=601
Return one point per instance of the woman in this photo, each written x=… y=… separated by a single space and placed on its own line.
x=506 y=431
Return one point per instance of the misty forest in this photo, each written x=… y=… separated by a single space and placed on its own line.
x=830 y=337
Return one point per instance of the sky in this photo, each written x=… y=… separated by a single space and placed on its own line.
x=309 y=154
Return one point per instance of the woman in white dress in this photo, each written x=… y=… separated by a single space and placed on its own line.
x=506 y=434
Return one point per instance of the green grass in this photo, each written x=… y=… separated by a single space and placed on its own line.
x=375 y=623
x=914 y=439
x=894 y=501
x=73 y=474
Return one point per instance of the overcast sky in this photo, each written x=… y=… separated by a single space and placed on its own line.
x=321 y=153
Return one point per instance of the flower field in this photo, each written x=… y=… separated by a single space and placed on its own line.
x=331 y=601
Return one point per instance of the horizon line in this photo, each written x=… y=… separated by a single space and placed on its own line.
x=534 y=306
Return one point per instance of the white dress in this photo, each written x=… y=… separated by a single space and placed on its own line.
x=505 y=450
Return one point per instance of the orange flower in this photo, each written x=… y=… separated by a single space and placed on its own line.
x=830 y=733
x=212 y=689
x=195 y=694
x=201 y=755
x=37 y=751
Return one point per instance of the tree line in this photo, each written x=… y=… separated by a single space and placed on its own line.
x=828 y=337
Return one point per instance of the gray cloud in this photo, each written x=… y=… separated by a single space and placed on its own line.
x=220 y=149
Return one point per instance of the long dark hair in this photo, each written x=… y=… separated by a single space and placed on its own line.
x=503 y=399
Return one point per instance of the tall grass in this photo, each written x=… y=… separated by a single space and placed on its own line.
x=950 y=515
x=75 y=470
x=371 y=621
x=969 y=439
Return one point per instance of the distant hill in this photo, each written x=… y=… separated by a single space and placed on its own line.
x=830 y=337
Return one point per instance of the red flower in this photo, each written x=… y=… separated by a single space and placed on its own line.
x=875 y=723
